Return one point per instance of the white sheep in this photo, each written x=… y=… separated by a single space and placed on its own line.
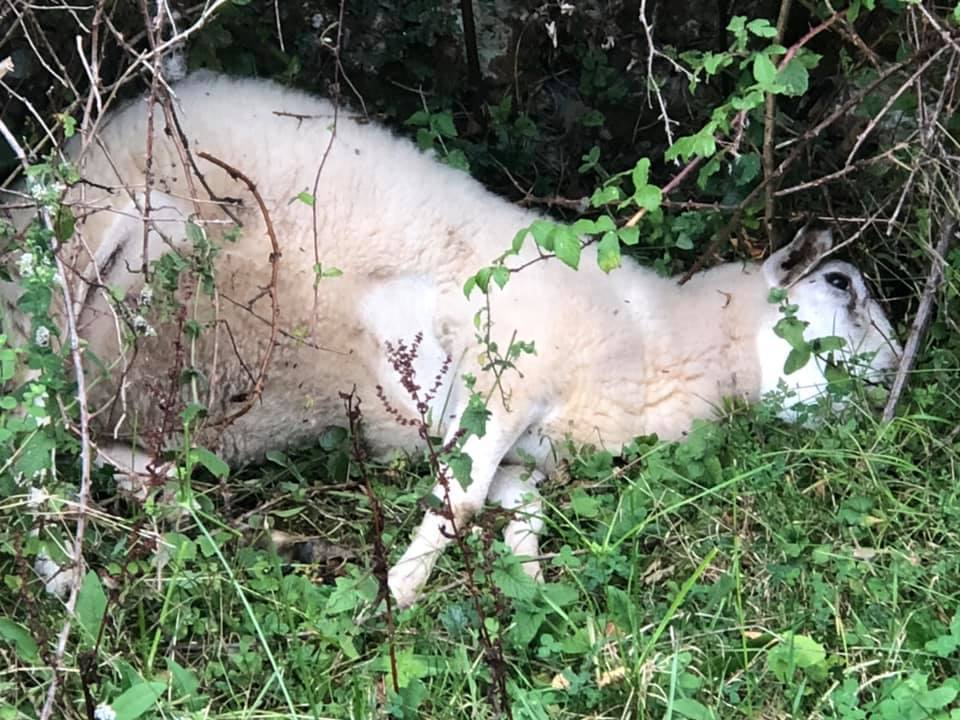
x=617 y=355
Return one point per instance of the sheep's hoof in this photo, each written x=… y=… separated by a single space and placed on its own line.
x=405 y=580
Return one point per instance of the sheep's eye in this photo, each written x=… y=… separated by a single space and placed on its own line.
x=838 y=280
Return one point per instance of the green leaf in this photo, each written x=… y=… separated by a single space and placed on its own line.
x=791 y=329
x=306 y=198
x=64 y=223
x=796 y=360
x=410 y=667
x=795 y=651
x=681 y=148
x=828 y=343
x=761 y=27
x=135 y=701
x=461 y=465
x=510 y=577
x=195 y=234
x=584 y=505
x=518 y=239
x=714 y=62
x=648 y=197
x=184 y=680
x=560 y=594
x=794 y=78
x=344 y=598
x=690 y=708
x=568 y=248
x=443 y=124
x=608 y=252
x=475 y=416
x=752 y=99
x=764 y=71
x=332 y=438
x=584 y=226
x=704 y=143
x=737 y=26
x=500 y=275
x=91 y=606
x=543 y=232
x=22 y=640
x=418 y=119
x=605 y=196
x=604 y=223
x=641 y=172
x=629 y=235
x=210 y=461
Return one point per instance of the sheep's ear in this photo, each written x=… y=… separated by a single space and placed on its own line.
x=792 y=262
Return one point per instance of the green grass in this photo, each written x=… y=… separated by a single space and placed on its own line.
x=755 y=570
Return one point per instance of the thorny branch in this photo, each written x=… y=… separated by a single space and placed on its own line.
x=921 y=321
x=271 y=288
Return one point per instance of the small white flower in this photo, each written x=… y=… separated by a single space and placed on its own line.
x=551 y=28
x=26 y=265
x=146 y=296
x=104 y=712
x=35 y=189
x=42 y=418
x=42 y=336
x=609 y=42
x=36 y=497
x=142 y=327
x=318 y=21
x=567 y=8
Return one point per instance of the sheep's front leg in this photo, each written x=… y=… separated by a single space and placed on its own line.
x=436 y=531
x=514 y=489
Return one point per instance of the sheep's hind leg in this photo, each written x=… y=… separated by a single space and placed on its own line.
x=436 y=531
x=514 y=489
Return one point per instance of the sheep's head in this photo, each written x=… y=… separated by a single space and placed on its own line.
x=833 y=300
